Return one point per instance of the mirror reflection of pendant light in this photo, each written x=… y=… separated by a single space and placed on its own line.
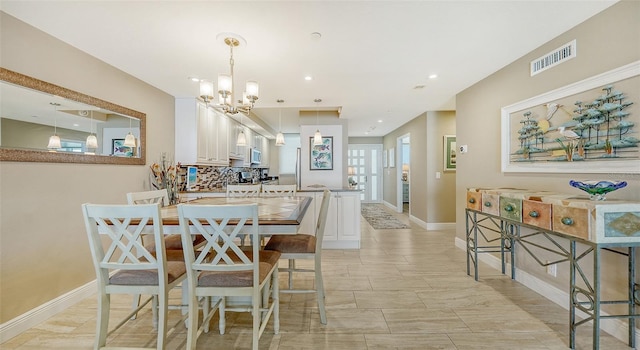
x=317 y=137
x=92 y=140
x=130 y=140
x=54 y=140
x=280 y=136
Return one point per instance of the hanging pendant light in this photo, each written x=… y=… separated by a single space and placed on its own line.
x=54 y=140
x=92 y=140
x=242 y=138
x=317 y=137
x=130 y=140
x=280 y=135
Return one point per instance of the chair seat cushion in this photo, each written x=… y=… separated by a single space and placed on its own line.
x=298 y=243
x=175 y=269
x=240 y=278
x=174 y=242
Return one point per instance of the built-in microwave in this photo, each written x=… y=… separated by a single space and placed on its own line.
x=256 y=156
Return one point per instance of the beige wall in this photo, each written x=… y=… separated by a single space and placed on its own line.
x=44 y=252
x=441 y=199
x=478 y=116
x=431 y=199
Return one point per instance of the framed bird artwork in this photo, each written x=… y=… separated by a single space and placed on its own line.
x=591 y=126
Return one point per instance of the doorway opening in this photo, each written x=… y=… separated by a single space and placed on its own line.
x=365 y=171
x=404 y=174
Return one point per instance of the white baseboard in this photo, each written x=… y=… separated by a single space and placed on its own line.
x=618 y=328
x=389 y=205
x=45 y=311
x=441 y=226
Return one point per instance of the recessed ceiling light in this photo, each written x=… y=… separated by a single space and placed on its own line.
x=433 y=76
x=418 y=87
x=308 y=78
x=379 y=120
x=316 y=36
x=194 y=79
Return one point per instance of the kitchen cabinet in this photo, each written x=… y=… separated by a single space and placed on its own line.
x=342 y=229
x=201 y=134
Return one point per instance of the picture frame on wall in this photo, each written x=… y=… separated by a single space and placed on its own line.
x=450 y=151
x=118 y=148
x=590 y=126
x=321 y=156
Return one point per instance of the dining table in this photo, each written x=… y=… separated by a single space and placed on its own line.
x=282 y=215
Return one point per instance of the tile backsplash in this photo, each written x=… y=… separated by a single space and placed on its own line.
x=212 y=178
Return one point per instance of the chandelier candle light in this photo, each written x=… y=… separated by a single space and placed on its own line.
x=54 y=140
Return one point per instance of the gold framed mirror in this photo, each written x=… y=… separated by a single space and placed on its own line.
x=34 y=110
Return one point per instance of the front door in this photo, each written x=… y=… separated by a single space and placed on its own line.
x=365 y=162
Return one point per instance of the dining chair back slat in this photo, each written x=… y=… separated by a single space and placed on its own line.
x=243 y=190
x=278 y=190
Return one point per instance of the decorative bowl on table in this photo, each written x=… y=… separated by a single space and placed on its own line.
x=597 y=189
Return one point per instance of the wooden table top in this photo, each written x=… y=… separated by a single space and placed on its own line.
x=271 y=210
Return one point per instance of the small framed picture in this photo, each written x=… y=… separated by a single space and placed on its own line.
x=449 y=152
x=392 y=157
x=118 y=148
x=321 y=156
x=384 y=159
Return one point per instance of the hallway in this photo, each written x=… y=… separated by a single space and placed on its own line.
x=405 y=289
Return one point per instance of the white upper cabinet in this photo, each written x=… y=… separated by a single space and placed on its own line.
x=202 y=134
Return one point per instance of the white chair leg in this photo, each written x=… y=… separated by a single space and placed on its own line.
x=192 y=329
x=320 y=292
x=154 y=310
x=206 y=307
x=163 y=306
x=275 y=298
x=221 y=312
x=136 y=303
x=102 y=326
x=257 y=317
x=292 y=267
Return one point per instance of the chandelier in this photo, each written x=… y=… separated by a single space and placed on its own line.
x=227 y=100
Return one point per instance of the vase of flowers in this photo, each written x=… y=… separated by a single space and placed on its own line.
x=165 y=175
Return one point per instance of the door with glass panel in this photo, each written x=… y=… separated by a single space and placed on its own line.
x=365 y=169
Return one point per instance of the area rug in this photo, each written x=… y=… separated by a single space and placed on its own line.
x=379 y=218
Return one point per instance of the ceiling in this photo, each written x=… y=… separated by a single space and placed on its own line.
x=372 y=59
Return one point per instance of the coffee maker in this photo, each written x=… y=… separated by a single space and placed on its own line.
x=245 y=177
x=264 y=174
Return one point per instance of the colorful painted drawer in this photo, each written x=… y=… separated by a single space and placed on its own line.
x=474 y=200
x=511 y=208
x=571 y=220
x=536 y=213
x=491 y=203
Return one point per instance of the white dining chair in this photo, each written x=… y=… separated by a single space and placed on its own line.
x=124 y=266
x=305 y=246
x=243 y=191
x=278 y=190
x=221 y=269
x=172 y=243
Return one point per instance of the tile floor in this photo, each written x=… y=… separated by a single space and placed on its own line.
x=405 y=289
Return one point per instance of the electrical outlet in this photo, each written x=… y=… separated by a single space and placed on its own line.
x=552 y=269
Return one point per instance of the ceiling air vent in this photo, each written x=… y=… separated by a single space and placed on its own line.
x=554 y=58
